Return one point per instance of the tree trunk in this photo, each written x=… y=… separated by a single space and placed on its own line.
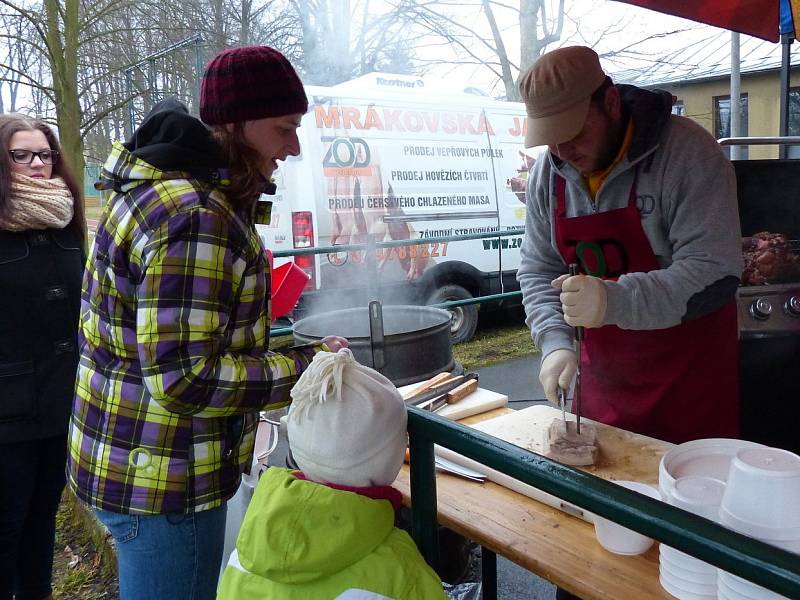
x=508 y=79
x=308 y=41
x=63 y=58
x=340 y=59
x=244 y=29
x=532 y=18
x=218 y=26
x=529 y=38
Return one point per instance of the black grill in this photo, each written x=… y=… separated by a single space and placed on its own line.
x=769 y=350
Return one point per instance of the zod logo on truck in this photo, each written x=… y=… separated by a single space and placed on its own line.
x=346 y=153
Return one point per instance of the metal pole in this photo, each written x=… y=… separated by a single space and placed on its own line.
x=129 y=85
x=396 y=243
x=371 y=261
x=786 y=59
x=736 y=105
x=167 y=50
x=488 y=574
x=424 y=512
x=150 y=61
x=151 y=82
x=198 y=72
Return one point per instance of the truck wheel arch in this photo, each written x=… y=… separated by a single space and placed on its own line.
x=455 y=280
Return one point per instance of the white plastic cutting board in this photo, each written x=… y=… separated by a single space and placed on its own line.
x=479 y=401
x=623 y=455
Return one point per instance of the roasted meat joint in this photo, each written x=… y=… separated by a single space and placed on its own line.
x=770 y=258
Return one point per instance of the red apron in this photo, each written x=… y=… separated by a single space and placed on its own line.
x=675 y=384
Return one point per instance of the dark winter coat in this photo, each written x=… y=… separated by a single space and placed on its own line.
x=40 y=284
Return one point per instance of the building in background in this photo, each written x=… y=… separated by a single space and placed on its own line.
x=698 y=75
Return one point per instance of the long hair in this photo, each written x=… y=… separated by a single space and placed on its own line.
x=12 y=123
x=243 y=160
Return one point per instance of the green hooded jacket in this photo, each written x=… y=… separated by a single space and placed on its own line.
x=304 y=541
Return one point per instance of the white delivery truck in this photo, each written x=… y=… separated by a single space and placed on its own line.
x=385 y=157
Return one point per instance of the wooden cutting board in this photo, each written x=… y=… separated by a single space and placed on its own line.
x=623 y=455
x=479 y=401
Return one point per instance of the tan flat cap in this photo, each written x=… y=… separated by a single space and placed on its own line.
x=557 y=89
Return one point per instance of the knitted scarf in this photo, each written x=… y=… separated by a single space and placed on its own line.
x=37 y=204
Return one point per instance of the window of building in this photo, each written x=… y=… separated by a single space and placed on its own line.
x=794 y=111
x=678 y=108
x=794 y=121
x=722 y=120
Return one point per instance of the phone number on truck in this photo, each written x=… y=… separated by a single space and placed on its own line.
x=425 y=250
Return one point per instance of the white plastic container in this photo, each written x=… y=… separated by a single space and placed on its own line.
x=786 y=538
x=682 y=575
x=706 y=577
x=621 y=540
x=688 y=565
x=764 y=491
x=699 y=495
x=737 y=588
x=710 y=457
x=682 y=593
x=725 y=592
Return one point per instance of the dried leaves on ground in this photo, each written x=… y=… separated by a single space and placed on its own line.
x=81 y=570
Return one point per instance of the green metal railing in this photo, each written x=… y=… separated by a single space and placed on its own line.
x=371 y=244
x=761 y=563
x=370 y=247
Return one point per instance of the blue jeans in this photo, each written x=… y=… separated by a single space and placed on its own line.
x=168 y=557
x=31 y=481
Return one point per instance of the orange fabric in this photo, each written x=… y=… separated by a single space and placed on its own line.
x=596 y=178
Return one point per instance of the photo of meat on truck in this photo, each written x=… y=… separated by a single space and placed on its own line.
x=389 y=157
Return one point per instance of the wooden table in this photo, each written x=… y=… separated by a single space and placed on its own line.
x=558 y=547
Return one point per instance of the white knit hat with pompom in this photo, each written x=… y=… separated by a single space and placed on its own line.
x=346 y=423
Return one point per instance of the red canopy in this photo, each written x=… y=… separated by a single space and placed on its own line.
x=759 y=18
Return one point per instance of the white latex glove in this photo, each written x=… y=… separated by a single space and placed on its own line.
x=583 y=299
x=335 y=342
x=557 y=370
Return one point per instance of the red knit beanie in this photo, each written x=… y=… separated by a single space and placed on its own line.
x=254 y=82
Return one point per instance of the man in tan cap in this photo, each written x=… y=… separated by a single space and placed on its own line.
x=644 y=202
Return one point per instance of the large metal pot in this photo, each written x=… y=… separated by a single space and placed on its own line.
x=405 y=343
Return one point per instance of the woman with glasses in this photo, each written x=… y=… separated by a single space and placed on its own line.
x=175 y=314
x=42 y=239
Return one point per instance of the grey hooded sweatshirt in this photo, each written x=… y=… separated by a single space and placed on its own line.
x=686 y=195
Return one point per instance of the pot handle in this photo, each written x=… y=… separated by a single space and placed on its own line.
x=376 y=335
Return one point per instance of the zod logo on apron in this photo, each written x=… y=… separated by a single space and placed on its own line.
x=604 y=258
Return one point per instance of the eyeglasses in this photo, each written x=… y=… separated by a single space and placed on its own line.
x=25 y=157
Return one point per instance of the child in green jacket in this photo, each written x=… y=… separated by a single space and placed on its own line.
x=328 y=531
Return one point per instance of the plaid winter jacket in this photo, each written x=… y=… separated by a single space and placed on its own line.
x=174 y=338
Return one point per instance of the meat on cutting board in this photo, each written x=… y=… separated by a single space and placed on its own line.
x=567 y=446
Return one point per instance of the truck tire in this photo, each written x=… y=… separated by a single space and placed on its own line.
x=464 y=318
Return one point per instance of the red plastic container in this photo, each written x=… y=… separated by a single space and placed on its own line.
x=288 y=283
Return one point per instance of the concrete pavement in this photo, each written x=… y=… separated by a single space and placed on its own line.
x=518 y=379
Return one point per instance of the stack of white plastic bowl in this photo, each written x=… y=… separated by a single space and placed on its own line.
x=709 y=457
x=684 y=576
x=761 y=500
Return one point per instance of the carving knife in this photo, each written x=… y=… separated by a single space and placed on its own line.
x=573 y=270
